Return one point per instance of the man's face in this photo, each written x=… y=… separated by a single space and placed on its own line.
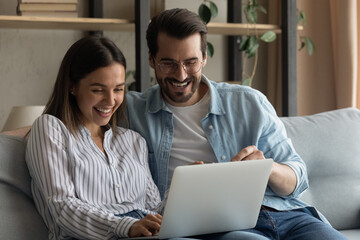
x=178 y=66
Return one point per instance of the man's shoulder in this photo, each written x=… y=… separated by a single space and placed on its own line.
x=140 y=102
x=235 y=89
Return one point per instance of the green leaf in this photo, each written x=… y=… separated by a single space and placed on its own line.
x=302 y=18
x=243 y=44
x=261 y=8
x=204 y=13
x=213 y=9
x=210 y=49
x=309 y=46
x=302 y=45
x=269 y=36
x=130 y=73
x=247 y=82
x=252 y=47
x=251 y=14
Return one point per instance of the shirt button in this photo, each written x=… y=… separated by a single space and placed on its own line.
x=265 y=200
x=223 y=157
x=211 y=127
x=117 y=185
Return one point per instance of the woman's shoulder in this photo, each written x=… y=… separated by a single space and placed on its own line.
x=48 y=120
x=48 y=124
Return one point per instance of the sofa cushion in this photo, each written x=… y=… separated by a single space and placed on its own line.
x=19 y=218
x=329 y=143
x=13 y=169
x=351 y=234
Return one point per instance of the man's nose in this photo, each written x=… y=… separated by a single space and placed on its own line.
x=181 y=73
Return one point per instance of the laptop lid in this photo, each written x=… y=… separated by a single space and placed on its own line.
x=213 y=198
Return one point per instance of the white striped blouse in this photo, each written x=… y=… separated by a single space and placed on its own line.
x=78 y=189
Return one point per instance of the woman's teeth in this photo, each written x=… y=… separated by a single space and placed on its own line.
x=103 y=110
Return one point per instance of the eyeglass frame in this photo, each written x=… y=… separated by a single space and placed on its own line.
x=177 y=65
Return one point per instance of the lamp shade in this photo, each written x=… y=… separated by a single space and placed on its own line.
x=21 y=116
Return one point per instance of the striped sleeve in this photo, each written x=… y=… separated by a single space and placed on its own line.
x=152 y=192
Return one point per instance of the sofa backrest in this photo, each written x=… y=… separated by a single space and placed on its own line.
x=18 y=216
x=329 y=143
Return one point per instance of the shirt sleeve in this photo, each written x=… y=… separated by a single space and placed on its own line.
x=276 y=145
x=47 y=158
x=152 y=192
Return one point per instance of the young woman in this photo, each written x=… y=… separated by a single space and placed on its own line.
x=90 y=178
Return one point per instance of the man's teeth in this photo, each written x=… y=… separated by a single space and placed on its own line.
x=103 y=110
x=180 y=84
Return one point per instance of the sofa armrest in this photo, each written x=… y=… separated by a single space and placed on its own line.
x=329 y=143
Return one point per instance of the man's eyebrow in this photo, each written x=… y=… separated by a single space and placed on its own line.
x=169 y=59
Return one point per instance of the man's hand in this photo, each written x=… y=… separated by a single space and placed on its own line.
x=248 y=153
x=282 y=178
x=147 y=226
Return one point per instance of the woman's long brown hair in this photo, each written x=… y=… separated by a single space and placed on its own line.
x=83 y=57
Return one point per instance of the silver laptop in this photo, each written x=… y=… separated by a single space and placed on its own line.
x=213 y=198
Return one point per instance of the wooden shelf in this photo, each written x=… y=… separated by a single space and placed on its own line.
x=237 y=29
x=112 y=24
x=89 y=24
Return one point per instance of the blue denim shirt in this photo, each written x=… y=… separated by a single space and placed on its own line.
x=238 y=117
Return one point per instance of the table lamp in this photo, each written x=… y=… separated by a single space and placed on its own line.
x=21 y=116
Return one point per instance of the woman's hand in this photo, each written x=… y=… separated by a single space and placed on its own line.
x=147 y=226
x=197 y=163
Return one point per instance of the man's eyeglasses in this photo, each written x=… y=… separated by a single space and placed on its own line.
x=170 y=66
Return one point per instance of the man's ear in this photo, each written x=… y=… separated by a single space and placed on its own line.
x=204 y=60
x=151 y=61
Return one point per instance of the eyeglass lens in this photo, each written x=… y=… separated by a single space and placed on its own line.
x=190 y=67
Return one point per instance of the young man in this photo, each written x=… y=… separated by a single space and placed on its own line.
x=188 y=119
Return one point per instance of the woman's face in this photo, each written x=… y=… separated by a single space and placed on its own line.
x=99 y=94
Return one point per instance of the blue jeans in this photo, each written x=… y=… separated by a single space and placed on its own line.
x=221 y=236
x=298 y=224
x=134 y=214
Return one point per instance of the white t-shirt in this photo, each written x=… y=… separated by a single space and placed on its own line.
x=189 y=142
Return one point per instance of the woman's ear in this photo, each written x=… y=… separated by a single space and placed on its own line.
x=72 y=91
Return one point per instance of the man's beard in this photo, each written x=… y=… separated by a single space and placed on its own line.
x=178 y=97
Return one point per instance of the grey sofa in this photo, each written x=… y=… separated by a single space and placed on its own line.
x=329 y=143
